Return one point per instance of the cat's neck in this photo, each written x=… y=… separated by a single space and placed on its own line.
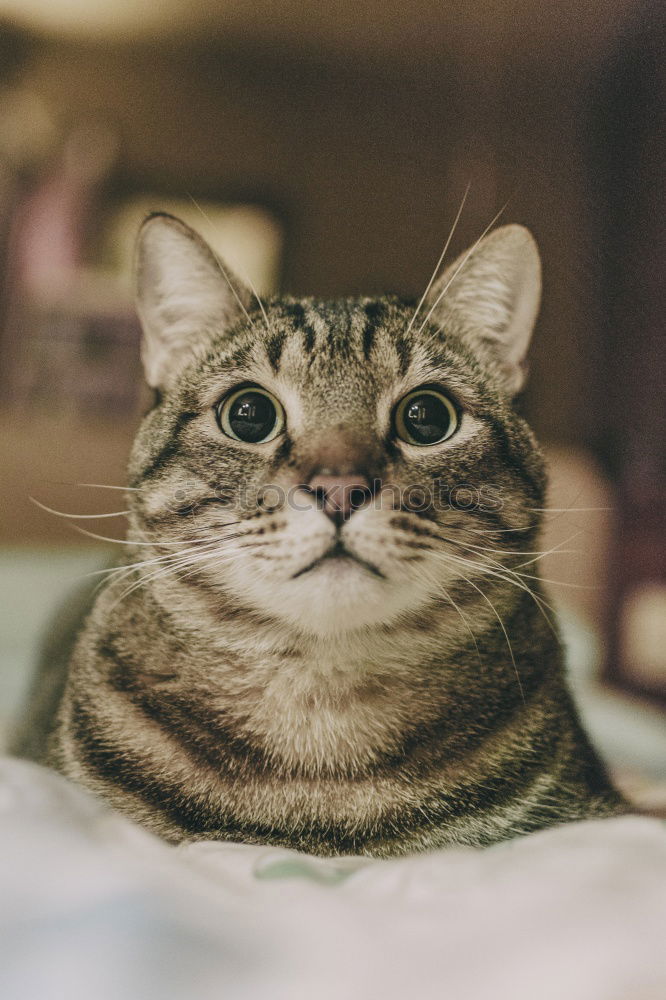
x=339 y=702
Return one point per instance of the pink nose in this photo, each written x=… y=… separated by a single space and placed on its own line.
x=340 y=496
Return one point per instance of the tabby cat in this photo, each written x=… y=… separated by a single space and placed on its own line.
x=329 y=633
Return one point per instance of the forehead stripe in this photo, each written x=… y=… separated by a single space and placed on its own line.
x=274 y=349
x=295 y=312
x=404 y=351
x=373 y=311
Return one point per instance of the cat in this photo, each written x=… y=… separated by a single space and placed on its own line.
x=330 y=634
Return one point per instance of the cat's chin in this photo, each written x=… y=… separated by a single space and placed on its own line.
x=337 y=595
x=338 y=566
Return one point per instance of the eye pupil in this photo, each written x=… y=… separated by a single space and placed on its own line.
x=425 y=418
x=252 y=416
x=418 y=413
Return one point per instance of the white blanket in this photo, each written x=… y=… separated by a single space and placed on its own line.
x=93 y=907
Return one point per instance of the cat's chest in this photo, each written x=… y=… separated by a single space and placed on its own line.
x=322 y=711
x=317 y=718
x=313 y=707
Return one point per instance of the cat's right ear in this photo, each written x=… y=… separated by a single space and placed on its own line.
x=490 y=296
x=184 y=295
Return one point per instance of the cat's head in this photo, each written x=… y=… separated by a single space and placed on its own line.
x=334 y=465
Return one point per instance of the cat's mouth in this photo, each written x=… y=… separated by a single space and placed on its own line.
x=338 y=551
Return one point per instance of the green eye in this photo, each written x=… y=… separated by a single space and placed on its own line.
x=425 y=417
x=250 y=414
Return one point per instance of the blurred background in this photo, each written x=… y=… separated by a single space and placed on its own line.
x=324 y=149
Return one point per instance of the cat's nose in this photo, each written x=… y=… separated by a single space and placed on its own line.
x=339 y=496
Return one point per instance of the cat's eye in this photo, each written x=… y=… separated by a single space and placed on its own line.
x=250 y=414
x=425 y=417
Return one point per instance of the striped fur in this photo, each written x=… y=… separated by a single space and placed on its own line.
x=218 y=689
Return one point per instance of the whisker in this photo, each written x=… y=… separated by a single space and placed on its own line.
x=460 y=266
x=76 y=517
x=500 y=531
x=519 y=552
x=571 y=586
x=228 y=557
x=518 y=580
x=114 y=541
x=556 y=549
x=103 y=486
x=462 y=616
x=506 y=576
x=126 y=571
x=125 y=567
x=221 y=265
x=97 y=486
x=254 y=291
x=201 y=545
x=483 y=550
x=567 y=510
x=506 y=635
x=129 y=542
x=442 y=256
x=143 y=580
x=464 y=620
x=179 y=564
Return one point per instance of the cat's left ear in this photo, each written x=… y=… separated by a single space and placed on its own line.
x=185 y=295
x=490 y=298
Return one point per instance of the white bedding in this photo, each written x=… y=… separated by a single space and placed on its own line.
x=92 y=907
